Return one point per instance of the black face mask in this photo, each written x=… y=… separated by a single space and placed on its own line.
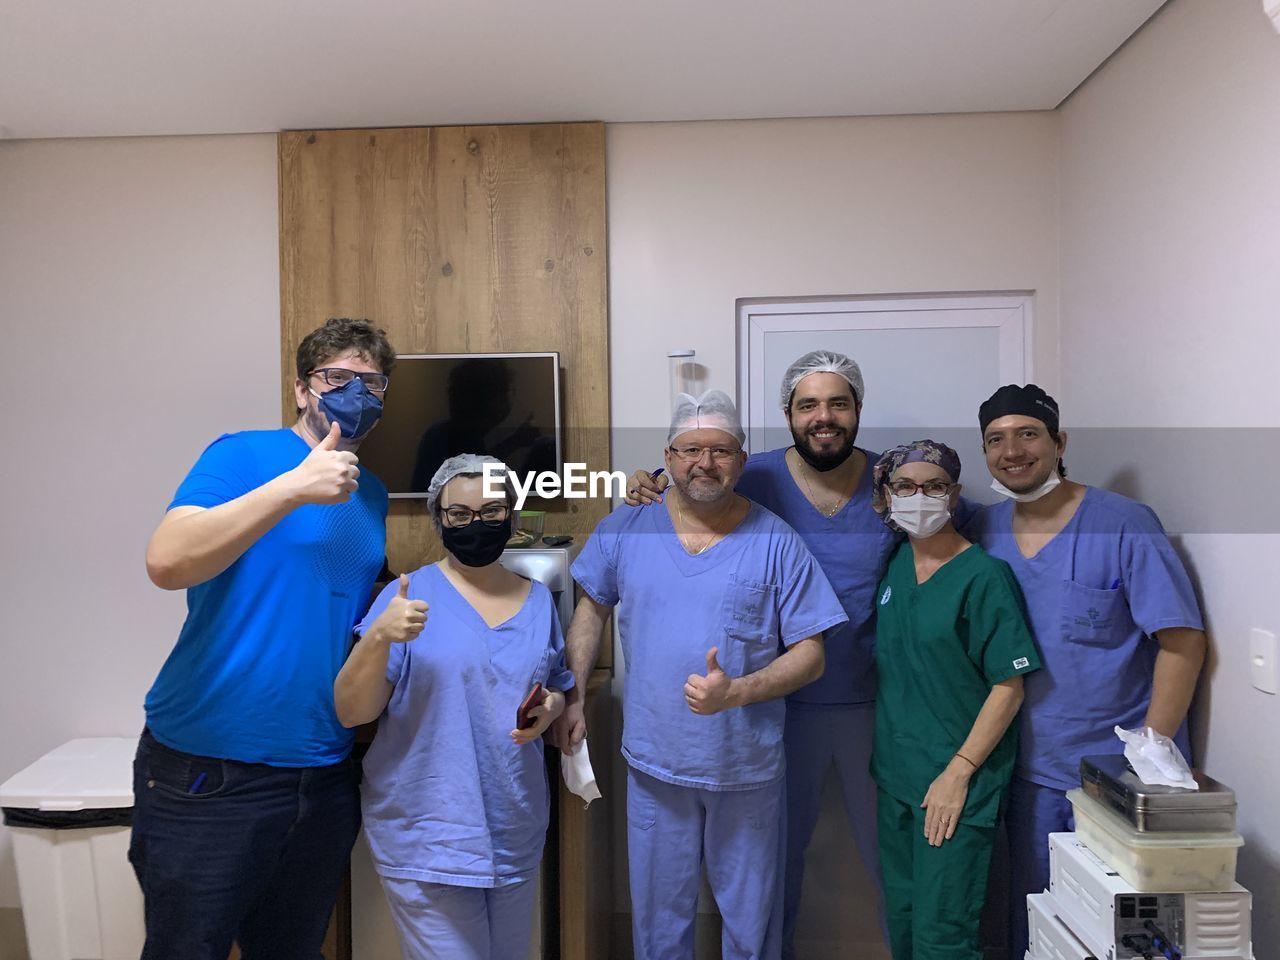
x=477 y=544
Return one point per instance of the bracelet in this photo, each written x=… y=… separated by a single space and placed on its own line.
x=966 y=760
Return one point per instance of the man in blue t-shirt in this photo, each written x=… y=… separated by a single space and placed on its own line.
x=1112 y=611
x=245 y=799
x=720 y=610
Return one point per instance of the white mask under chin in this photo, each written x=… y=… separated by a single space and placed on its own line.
x=919 y=516
x=1031 y=495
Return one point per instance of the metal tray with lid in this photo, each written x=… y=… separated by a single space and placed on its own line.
x=1156 y=808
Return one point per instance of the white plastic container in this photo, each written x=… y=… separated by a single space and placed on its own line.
x=1156 y=862
x=80 y=899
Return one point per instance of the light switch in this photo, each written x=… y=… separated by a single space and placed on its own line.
x=1262 y=659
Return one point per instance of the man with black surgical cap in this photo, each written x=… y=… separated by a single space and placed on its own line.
x=1113 y=614
x=821 y=486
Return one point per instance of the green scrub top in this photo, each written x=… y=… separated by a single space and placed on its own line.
x=941 y=646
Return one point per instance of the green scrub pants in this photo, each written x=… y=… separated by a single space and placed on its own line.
x=933 y=895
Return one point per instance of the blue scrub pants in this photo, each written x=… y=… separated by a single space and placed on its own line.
x=1033 y=812
x=672 y=832
x=440 y=921
x=816 y=737
x=247 y=852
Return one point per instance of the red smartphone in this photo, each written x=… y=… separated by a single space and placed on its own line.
x=523 y=720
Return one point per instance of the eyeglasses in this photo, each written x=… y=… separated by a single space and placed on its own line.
x=694 y=454
x=340 y=377
x=492 y=514
x=930 y=488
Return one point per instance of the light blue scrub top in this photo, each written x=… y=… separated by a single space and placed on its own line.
x=448 y=796
x=755 y=592
x=1096 y=594
x=853 y=548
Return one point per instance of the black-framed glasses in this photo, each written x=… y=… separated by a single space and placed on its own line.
x=340 y=377
x=692 y=454
x=930 y=488
x=492 y=514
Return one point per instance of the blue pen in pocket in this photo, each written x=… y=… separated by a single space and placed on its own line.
x=1115 y=584
x=199 y=782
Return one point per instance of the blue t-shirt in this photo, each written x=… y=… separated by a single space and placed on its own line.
x=251 y=677
x=853 y=548
x=755 y=592
x=1096 y=595
x=448 y=796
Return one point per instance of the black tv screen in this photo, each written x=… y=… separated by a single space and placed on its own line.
x=506 y=405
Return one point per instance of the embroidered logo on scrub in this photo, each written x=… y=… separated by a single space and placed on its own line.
x=884 y=597
x=1093 y=619
x=1020 y=663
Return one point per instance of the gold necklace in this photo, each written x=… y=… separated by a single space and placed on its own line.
x=841 y=499
x=687 y=546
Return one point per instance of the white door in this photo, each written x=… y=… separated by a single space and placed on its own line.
x=928 y=362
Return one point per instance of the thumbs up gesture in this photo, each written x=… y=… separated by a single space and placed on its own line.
x=711 y=693
x=328 y=475
x=403 y=619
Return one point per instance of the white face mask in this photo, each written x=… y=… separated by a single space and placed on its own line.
x=919 y=516
x=1031 y=496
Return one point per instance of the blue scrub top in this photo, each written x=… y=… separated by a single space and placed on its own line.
x=853 y=548
x=1096 y=594
x=251 y=677
x=753 y=593
x=448 y=796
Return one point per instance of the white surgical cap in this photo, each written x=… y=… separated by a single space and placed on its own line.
x=821 y=361
x=714 y=410
x=455 y=466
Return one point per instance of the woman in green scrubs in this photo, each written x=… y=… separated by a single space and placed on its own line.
x=952 y=645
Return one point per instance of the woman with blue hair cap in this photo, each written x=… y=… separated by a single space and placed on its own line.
x=952 y=645
x=455 y=800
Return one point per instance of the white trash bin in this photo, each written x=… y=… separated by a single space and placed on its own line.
x=70 y=813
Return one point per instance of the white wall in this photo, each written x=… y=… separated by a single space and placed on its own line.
x=139 y=291
x=1170 y=300
x=702 y=214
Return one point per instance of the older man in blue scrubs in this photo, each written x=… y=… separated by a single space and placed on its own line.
x=720 y=610
x=821 y=486
x=1112 y=611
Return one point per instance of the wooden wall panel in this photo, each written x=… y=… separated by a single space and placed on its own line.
x=456 y=240
x=467 y=240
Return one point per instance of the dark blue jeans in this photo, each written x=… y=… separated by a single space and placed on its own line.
x=245 y=852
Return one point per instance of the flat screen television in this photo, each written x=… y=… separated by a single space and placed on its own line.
x=438 y=405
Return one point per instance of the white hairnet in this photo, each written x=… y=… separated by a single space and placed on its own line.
x=456 y=466
x=821 y=361
x=714 y=410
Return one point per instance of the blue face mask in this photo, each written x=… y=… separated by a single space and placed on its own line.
x=352 y=406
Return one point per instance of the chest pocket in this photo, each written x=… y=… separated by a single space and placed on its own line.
x=1093 y=617
x=750 y=611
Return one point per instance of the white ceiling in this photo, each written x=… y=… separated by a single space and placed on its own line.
x=76 y=68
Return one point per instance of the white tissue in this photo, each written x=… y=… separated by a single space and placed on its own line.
x=578 y=776
x=1156 y=759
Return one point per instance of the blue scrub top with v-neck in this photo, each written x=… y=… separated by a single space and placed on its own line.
x=754 y=593
x=853 y=548
x=448 y=796
x=1096 y=594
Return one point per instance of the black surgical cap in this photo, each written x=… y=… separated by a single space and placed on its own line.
x=1012 y=400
